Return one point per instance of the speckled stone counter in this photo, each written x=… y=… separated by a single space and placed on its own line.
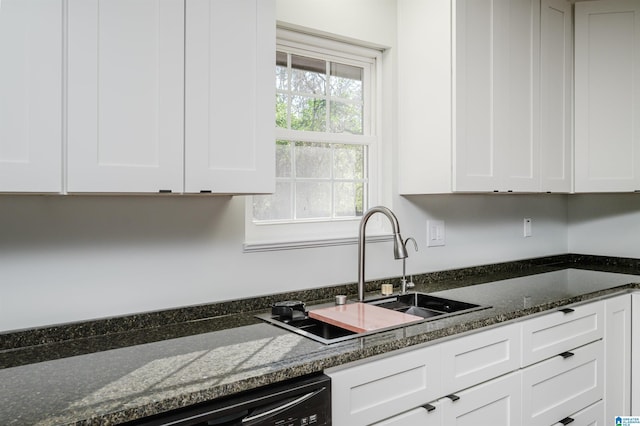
x=91 y=373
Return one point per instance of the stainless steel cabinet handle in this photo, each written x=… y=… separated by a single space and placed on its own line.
x=453 y=397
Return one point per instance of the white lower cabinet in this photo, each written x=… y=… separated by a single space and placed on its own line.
x=376 y=390
x=557 y=387
x=617 y=354
x=547 y=370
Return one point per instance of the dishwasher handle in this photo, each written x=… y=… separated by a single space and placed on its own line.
x=251 y=419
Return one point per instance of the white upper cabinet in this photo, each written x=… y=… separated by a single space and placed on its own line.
x=230 y=96
x=607 y=98
x=31 y=95
x=470 y=94
x=556 y=70
x=125 y=95
x=495 y=140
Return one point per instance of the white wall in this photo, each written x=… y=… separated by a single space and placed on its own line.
x=605 y=224
x=81 y=257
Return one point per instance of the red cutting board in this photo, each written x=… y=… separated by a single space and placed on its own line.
x=361 y=317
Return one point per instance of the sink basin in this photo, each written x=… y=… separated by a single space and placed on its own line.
x=425 y=305
x=419 y=304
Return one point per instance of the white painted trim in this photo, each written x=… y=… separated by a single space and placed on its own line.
x=253 y=247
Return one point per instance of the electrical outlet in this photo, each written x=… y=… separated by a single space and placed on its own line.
x=527 y=227
x=435 y=233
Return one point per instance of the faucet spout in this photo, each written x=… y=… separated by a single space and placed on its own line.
x=399 y=249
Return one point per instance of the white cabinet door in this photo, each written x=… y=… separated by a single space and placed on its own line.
x=495 y=403
x=607 y=98
x=617 y=337
x=380 y=389
x=230 y=92
x=125 y=95
x=31 y=96
x=557 y=387
x=496 y=95
x=553 y=333
x=556 y=70
x=479 y=357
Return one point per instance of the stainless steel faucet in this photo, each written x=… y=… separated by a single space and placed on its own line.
x=399 y=249
x=403 y=283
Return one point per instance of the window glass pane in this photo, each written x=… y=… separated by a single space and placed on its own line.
x=348 y=162
x=281 y=110
x=309 y=75
x=313 y=200
x=281 y=71
x=283 y=159
x=346 y=81
x=308 y=113
x=276 y=206
x=313 y=160
x=346 y=118
x=349 y=199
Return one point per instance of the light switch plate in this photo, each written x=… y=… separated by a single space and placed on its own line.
x=527 y=227
x=435 y=233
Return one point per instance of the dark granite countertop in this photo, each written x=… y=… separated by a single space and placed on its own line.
x=111 y=371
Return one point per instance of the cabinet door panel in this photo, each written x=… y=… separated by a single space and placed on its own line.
x=519 y=142
x=479 y=357
x=607 y=123
x=31 y=96
x=618 y=356
x=556 y=56
x=230 y=90
x=475 y=150
x=635 y=349
x=496 y=403
x=380 y=389
x=556 y=388
x=126 y=79
x=554 y=333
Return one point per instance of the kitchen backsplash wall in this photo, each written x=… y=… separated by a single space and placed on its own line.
x=604 y=224
x=79 y=257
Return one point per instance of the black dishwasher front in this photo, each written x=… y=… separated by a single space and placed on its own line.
x=300 y=402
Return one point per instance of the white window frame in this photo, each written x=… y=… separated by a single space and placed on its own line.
x=323 y=233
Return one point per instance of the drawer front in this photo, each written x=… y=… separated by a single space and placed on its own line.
x=493 y=403
x=378 y=390
x=417 y=417
x=593 y=415
x=479 y=357
x=557 y=332
x=562 y=385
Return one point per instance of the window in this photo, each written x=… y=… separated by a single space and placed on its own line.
x=326 y=143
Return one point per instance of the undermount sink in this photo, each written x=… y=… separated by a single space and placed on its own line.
x=420 y=304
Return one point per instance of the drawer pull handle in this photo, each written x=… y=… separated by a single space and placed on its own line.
x=566 y=355
x=566 y=420
x=453 y=397
x=429 y=407
x=567 y=310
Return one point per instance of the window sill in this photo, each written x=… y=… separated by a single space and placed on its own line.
x=254 y=247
